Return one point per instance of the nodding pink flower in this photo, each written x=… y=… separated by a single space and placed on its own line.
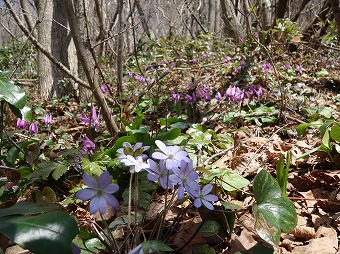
x=130 y=74
x=165 y=70
x=227 y=59
x=205 y=55
x=176 y=97
x=33 y=129
x=206 y=88
x=21 y=124
x=87 y=144
x=190 y=98
x=150 y=80
x=207 y=97
x=298 y=68
x=286 y=67
x=239 y=95
x=218 y=96
x=94 y=121
x=230 y=92
x=243 y=64
x=258 y=92
x=266 y=67
x=200 y=93
x=194 y=60
x=104 y=88
x=48 y=119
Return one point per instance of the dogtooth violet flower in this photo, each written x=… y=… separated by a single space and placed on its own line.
x=87 y=144
x=21 y=124
x=136 y=164
x=266 y=67
x=104 y=88
x=33 y=129
x=203 y=197
x=176 y=97
x=48 y=119
x=99 y=192
x=190 y=98
x=159 y=173
x=185 y=176
x=135 y=151
x=94 y=121
x=172 y=155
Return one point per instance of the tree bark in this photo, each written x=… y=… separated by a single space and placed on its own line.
x=119 y=50
x=280 y=11
x=84 y=59
x=212 y=16
x=28 y=17
x=336 y=12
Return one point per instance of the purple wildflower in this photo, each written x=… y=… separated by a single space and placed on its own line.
x=286 y=67
x=158 y=172
x=94 y=121
x=176 y=97
x=185 y=176
x=200 y=93
x=298 y=68
x=135 y=151
x=206 y=88
x=48 y=119
x=99 y=192
x=218 y=96
x=239 y=95
x=87 y=144
x=258 y=92
x=104 y=88
x=194 y=60
x=172 y=155
x=21 y=124
x=150 y=80
x=203 y=197
x=33 y=129
x=227 y=59
x=266 y=67
x=190 y=98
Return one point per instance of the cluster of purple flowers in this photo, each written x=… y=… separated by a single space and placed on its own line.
x=144 y=79
x=173 y=170
x=93 y=120
x=33 y=127
x=233 y=94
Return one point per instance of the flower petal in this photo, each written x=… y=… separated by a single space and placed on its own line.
x=90 y=181
x=102 y=204
x=208 y=205
x=210 y=198
x=111 y=188
x=94 y=205
x=104 y=179
x=161 y=146
x=159 y=156
x=197 y=203
x=86 y=194
x=111 y=201
x=207 y=189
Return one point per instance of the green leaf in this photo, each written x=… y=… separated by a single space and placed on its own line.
x=301 y=128
x=265 y=187
x=325 y=139
x=209 y=228
x=230 y=180
x=27 y=208
x=59 y=171
x=156 y=246
x=163 y=136
x=119 y=143
x=91 y=167
x=11 y=93
x=24 y=113
x=273 y=213
x=45 y=169
x=47 y=233
x=326 y=112
x=92 y=245
x=335 y=132
x=322 y=73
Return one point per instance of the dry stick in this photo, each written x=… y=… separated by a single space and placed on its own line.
x=42 y=49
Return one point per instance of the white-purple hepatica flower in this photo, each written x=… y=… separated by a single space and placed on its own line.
x=99 y=192
x=172 y=155
x=203 y=197
x=136 y=164
x=134 y=151
x=158 y=172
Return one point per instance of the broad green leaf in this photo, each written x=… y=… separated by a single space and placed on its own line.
x=156 y=246
x=335 y=132
x=92 y=245
x=163 y=136
x=230 y=180
x=11 y=93
x=325 y=139
x=322 y=73
x=169 y=121
x=47 y=233
x=27 y=208
x=301 y=128
x=59 y=171
x=13 y=152
x=119 y=143
x=24 y=113
x=309 y=152
x=209 y=228
x=326 y=112
x=265 y=187
x=45 y=169
x=91 y=167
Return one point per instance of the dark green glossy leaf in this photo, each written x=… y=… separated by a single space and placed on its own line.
x=24 y=113
x=209 y=228
x=335 y=132
x=47 y=233
x=230 y=180
x=27 y=208
x=119 y=144
x=265 y=187
x=11 y=93
x=155 y=245
x=93 y=245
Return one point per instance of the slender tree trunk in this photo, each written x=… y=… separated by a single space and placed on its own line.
x=119 y=49
x=336 y=12
x=266 y=14
x=142 y=17
x=280 y=11
x=45 y=14
x=28 y=18
x=212 y=16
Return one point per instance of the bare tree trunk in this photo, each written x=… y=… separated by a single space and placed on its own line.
x=266 y=14
x=28 y=17
x=142 y=17
x=119 y=50
x=302 y=6
x=336 y=12
x=45 y=14
x=86 y=63
x=212 y=16
x=280 y=11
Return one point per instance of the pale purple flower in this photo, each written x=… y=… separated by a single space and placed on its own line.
x=203 y=197
x=99 y=193
x=87 y=144
x=176 y=97
x=206 y=88
x=150 y=80
x=159 y=173
x=323 y=62
x=227 y=59
x=190 y=98
x=130 y=74
x=205 y=55
x=230 y=93
x=185 y=177
x=104 y=88
x=136 y=164
x=239 y=95
x=207 y=96
x=200 y=93
x=172 y=155
x=48 y=119
x=33 y=129
x=298 y=68
x=21 y=124
x=286 y=67
x=165 y=70
x=135 y=151
x=266 y=67
x=94 y=121
x=218 y=96
x=194 y=60
x=258 y=92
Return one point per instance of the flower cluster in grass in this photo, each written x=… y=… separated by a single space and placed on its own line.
x=33 y=126
x=171 y=168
